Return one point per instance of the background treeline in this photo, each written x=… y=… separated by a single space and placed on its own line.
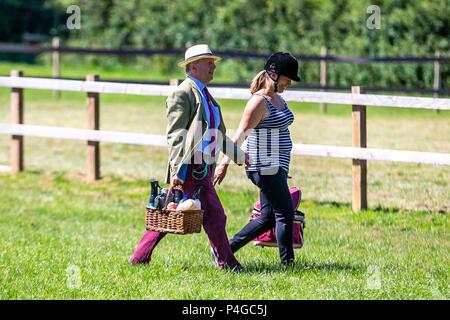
x=408 y=28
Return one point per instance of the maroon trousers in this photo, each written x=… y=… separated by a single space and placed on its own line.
x=214 y=221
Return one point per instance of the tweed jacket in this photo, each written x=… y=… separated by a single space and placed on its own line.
x=186 y=125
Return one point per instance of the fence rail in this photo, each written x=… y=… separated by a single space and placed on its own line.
x=358 y=152
x=160 y=141
x=29 y=48
x=224 y=93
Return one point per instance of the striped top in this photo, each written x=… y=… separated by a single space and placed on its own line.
x=269 y=145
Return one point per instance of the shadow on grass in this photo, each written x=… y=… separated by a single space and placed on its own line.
x=332 y=204
x=301 y=266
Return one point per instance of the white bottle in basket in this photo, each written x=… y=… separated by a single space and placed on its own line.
x=188 y=204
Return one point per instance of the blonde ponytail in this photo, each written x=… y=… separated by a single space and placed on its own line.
x=258 y=82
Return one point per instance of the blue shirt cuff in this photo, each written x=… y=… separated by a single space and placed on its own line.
x=182 y=172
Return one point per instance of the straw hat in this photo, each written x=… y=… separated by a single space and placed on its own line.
x=197 y=52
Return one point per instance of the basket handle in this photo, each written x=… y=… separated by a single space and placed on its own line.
x=166 y=202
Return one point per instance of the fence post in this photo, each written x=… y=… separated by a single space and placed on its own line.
x=56 y=66
x=93 y=147
x=16 y=118
x=359 y=167
x=174 y=82
x=437 y=77
x=323 y=76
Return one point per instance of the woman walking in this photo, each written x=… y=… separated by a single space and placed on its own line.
x=265 y=122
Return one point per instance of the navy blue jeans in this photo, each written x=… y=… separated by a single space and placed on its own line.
x=276 y=211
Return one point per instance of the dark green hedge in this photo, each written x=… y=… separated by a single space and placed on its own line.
x=408 y=28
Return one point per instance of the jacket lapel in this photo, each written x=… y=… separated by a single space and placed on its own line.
x=198 y=99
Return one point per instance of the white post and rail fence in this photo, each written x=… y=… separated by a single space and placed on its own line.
x=358 y=152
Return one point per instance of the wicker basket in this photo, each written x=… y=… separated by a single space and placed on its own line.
x=171 y=221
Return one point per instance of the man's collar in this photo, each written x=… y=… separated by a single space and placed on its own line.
x=200 y=85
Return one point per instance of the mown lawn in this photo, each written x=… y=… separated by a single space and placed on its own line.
x=62 y=239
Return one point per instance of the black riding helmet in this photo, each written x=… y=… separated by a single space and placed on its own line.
x=282 y=63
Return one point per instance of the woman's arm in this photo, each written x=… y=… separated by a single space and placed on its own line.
x=255 y=111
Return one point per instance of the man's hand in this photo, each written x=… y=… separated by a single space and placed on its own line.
x=176 y=182
x=221 y=172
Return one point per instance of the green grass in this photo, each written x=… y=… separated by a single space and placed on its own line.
x=51 y=223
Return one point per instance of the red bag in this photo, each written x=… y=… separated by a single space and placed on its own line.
x=268 y=238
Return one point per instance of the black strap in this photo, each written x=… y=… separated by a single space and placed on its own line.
x=274 y=80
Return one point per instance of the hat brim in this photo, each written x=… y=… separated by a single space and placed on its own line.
x=183 y=64
x=296 y=78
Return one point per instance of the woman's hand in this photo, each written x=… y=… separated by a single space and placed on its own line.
x=221 y=172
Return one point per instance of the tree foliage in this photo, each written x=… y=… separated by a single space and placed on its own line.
x=408 y=28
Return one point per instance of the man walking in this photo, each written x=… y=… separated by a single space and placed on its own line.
x=196 y=134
